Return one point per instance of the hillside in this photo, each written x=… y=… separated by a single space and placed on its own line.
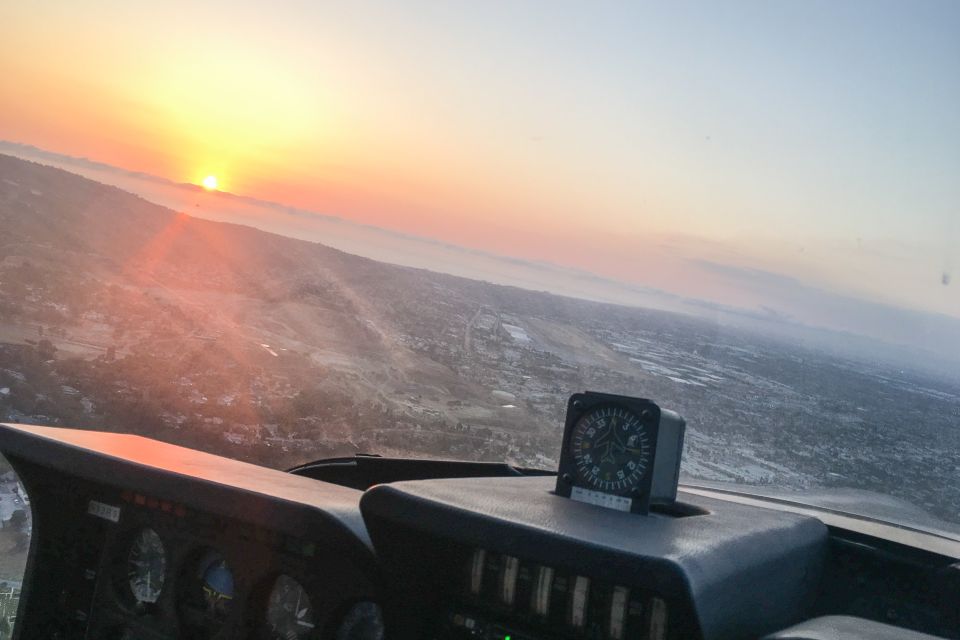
x=280 y=333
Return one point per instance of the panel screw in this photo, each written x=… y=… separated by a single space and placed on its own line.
x=578 y=404
x=567 y=478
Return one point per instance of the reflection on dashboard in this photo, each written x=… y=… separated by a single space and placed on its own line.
x=147 y=567
x=290 y=615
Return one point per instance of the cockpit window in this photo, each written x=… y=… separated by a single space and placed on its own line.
x=16 y=527
x=284 y=234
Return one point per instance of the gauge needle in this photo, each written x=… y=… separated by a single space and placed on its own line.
x=302 y=612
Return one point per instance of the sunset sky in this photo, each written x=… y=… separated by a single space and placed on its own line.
x=817 y=140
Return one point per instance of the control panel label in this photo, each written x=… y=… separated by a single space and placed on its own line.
x=620 y=503
x=105 y=511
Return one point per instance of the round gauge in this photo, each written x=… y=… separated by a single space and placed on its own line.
x=364 y=621
x=611 y=448
x=216 y=585
x=146 y=567
x=290 y=615
x=207 y=595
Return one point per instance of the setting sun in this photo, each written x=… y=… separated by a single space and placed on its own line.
x=210 y=183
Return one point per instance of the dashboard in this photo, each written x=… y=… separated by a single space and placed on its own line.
x=134 y=538
x=522 y=562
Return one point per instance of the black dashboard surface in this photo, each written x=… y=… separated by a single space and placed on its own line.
x=712 y=566
x=729 y=570
x=230 y=487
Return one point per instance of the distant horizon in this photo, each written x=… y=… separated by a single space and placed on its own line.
x=401 y=249
x=810 y=150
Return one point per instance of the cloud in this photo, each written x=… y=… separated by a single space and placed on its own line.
x=747 y=276
x=782 y=297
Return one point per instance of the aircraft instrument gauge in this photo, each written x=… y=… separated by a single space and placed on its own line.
x=290 y=614
x=146 y=567
x=619 y=452
x=216 y=586
x=364 y=621
x=207 y=590
x=612 y=449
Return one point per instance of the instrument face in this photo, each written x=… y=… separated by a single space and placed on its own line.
x=146 y=566
x=290 y=614
x=217 y=585
x=611 y=447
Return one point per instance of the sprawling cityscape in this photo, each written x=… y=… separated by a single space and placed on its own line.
x=119 y=315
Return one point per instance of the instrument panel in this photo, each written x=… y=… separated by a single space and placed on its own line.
x=502 y=597
x=132 y=562
x=156 y=569
x=499 y=558
x=139 y=539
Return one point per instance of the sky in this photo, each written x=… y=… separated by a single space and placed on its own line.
x=677 y=145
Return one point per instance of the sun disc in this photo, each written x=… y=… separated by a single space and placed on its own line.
x=210 y=183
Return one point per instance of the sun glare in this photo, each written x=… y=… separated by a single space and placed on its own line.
x=210 y=183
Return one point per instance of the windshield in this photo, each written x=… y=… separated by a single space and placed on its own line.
x=283 y=233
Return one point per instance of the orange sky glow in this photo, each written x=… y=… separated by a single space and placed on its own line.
x=515 y=142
